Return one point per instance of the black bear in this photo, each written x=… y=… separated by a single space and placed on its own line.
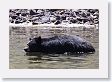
x=59 y=45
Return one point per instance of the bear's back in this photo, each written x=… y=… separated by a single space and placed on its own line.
x=62 y=39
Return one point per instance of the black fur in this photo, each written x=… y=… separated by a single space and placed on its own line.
x=60 y=45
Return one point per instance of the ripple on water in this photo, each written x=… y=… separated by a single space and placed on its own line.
x=18 y=59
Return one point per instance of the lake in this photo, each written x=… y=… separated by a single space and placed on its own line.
x=19 y=59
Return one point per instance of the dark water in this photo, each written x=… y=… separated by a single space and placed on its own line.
x=18 y=59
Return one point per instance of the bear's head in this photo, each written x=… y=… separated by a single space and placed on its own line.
x=34 y=45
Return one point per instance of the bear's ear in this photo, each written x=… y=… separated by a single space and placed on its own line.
x=38 y=40
x=30 y=39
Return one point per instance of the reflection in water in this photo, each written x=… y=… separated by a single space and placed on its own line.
x=36 y=59
x=18 y=59
x=40 y=59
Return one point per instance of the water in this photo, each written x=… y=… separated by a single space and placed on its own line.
x=18 y=59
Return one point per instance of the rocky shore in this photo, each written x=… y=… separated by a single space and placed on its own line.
x=54 y=16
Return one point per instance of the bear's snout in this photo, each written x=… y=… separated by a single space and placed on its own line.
x=26 y=50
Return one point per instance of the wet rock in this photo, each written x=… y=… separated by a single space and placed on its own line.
x=56 y=16
x=57 y=22
x=14 y=16
x=18 y=22
x=32 y=12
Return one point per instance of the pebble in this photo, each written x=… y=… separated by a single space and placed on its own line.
x=56 y=16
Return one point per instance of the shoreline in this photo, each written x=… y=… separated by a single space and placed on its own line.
x=52 y=25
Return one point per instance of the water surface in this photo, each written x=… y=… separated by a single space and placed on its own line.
x=18 y=59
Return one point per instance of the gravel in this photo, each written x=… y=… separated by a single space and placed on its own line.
x=55 y=16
